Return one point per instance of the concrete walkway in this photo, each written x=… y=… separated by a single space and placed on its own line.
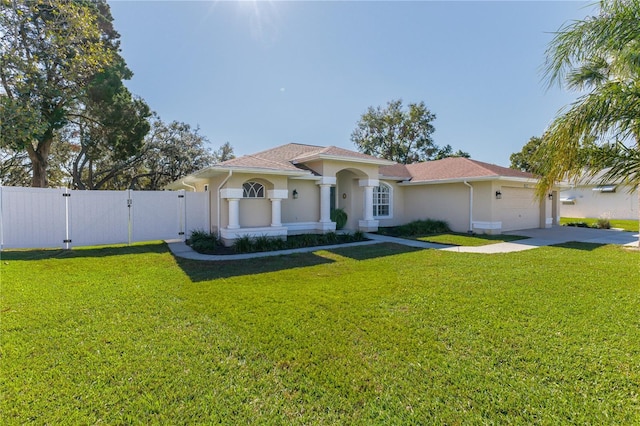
x=180 y=249
x=535 y=238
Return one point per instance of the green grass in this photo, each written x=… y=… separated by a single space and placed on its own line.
x=468 y=240
x=380 y=334
x=626 y=224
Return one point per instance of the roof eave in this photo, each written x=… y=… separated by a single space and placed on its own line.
x=470 y=179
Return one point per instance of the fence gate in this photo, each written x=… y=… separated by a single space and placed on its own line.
x=47 y=218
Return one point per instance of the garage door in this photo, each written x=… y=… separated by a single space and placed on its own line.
x=519 y=209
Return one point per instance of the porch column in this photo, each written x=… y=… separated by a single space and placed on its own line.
x=368 y=223
x=325 y=203
x=234 y=213
x=276 y=196
x=325 y=223
x=368 y=203
x=233 y=196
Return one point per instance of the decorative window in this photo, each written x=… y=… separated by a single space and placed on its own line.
x=252 y=190
x=382 y=200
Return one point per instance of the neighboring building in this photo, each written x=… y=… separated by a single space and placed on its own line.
x=292 y=189
x=594 y=199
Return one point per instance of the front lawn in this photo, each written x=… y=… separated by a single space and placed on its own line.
x=381 y=334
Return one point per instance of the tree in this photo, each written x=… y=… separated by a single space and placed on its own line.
x=600 y=55
x=446 y=152
x=523 y=160
x=169 y=152
x=172 y=152
x=224 y=153
x=60 y=66
x=397 y=134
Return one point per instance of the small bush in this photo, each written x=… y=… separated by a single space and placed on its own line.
x=603 y=223
x=339 y=216
x=577 y=224
x=203 y=242
x=418 y=227
x=207 y=243
x=262 y=243
x=331 y=238
x=243 y=245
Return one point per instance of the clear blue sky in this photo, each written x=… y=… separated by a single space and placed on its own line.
x=261 y=74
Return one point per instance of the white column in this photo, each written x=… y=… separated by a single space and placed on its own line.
x=325 y=184
x=234 y=213
x=368 y=203
x=276 y=212
x=233 y=196
x=276 y=196
x=325 y=203
x=368 y=223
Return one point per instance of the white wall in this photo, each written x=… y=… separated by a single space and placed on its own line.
x=48 y=218
x=589 y=203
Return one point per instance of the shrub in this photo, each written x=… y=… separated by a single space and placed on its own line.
x=331 y=238
x=418 y=227
x=358 y=236
x=263 y=243
x=203 y=242
x=339 y=216
x=243 y=245
x=603 y=223
x=577 y=224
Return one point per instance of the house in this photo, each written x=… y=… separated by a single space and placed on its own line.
x=292 y=189
x=595 y=198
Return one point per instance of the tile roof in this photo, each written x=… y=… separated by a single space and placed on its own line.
x=451 y=168
x=284 y=157
x=278 y=158
x=335 y=151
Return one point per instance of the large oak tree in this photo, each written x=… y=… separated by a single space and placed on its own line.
x=59 y=67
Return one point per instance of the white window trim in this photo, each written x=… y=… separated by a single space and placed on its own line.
x=246 y=195
x=390 y=215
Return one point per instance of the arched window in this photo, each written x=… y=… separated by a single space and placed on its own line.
x=252 y=190
x=382 y=200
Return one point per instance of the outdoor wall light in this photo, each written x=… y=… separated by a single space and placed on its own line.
x=498 y=195
x=550 y=196
x=295 y=194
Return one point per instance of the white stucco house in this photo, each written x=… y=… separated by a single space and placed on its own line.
x=291 y=189
x=595 y=198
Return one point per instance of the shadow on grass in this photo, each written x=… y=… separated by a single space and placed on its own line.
x=112 y=250
x=579 y=246
x=202 y=270
x=374 y=251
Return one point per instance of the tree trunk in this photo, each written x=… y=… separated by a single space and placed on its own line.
x=40 y=162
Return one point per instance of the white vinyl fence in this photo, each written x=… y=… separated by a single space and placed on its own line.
x=47 y=218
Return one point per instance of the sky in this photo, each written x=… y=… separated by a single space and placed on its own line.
x=259 y=74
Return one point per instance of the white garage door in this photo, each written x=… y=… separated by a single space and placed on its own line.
x=520 y=209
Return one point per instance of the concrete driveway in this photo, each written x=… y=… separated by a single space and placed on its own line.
x=556 y=235
x=563 y=234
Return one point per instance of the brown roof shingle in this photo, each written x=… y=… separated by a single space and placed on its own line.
x=284 y=157
x=451 y=168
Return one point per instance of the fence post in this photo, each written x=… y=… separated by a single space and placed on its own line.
x=130 y=220
x=1 y=223
x=182 y=212
x=66 y=195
